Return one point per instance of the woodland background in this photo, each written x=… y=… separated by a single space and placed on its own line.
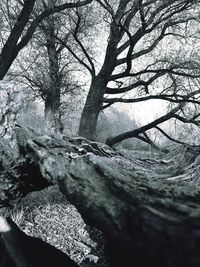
x=102 y=98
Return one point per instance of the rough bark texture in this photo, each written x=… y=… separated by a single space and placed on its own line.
x=92 y=108
x=148 y=214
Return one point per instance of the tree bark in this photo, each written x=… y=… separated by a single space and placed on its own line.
x=52 y=95
x=148 y=215
x=97 y=89
x=92 y=108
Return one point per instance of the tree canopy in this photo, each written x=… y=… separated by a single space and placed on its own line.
x=126 y=51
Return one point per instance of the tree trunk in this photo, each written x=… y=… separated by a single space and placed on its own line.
x=97 y=90
x=92 y=108
x=52 y=112
x=148 y=214
x=52 y=100
x=10 y=49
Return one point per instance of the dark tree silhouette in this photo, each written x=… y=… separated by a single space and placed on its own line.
x=136 y=31
x=24 y=29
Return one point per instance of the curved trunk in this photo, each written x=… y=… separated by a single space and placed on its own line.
x=97 y=90
x=148 y=219
x=92 y=108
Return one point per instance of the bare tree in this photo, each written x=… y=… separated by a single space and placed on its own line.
x=57 y=78
x=135 y=59
x=24 y=28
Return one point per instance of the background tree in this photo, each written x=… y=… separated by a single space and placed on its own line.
x=39 y=21
x=57 y=79
x=23 y=30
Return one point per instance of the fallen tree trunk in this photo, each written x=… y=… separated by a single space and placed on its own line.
x=146 y=218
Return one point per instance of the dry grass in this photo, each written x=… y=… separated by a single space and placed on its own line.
x=48 y=215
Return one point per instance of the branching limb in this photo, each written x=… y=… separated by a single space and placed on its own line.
x=45 y=14
x=173 y=98
x=74 y=54
x=143 y=129
x=83 y=49
x=169 y=137
x=120 y=90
